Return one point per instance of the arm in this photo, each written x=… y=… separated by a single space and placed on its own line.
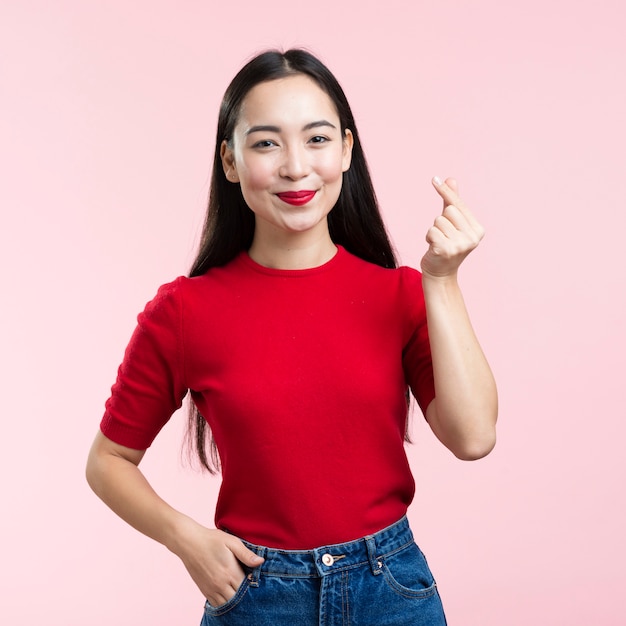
x=211 y=556
x=464 y=411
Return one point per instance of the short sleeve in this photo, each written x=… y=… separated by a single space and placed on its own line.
x=150 y=384
x=416 y=357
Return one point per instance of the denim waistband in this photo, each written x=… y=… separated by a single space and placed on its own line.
x=327 y=560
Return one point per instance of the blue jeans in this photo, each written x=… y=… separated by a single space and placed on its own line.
x=380 y=580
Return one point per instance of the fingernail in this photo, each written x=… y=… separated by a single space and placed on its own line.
x=437 y=180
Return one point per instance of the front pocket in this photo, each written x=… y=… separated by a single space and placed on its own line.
x=229 y=605
x=407 y=573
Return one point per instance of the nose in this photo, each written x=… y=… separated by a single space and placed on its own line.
x=295 y=164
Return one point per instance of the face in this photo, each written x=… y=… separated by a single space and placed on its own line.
x=288 y=155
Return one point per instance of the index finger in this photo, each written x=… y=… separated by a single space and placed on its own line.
x=448 y=190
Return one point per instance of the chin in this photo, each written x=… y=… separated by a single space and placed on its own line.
x=302 y=227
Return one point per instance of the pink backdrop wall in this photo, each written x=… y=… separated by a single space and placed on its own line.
x=107 y=114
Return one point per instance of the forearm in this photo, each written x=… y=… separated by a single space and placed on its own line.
x=463 y=414
x=123 y=487
x=212 y=557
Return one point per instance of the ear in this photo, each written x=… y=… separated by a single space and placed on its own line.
x=348 y=142
x=228 y=162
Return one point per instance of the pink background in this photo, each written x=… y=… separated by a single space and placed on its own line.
x=107 y=117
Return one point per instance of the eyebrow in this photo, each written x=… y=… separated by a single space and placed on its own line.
x=276 y=129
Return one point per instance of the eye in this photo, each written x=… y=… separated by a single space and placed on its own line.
x=265 y=143
x=319 y=139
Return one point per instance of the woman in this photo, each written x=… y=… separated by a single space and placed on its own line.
x=297 y=338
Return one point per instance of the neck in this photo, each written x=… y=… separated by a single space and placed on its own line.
x=298 y=251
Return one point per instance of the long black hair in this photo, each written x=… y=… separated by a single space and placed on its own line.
x=354 y=222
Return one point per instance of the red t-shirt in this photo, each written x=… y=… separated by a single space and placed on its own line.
x=302 y=376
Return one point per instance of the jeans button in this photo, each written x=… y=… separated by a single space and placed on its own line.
x=328 y=559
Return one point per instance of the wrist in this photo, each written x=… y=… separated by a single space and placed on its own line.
x=435 y=281
x=179 y=530
x=442 y=292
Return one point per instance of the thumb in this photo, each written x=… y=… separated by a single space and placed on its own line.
x=453 y=184
x=244 y=555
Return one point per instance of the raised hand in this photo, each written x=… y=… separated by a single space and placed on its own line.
x=454 y=234
x=464 y=412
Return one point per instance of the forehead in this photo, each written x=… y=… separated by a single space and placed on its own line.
x=293 y=98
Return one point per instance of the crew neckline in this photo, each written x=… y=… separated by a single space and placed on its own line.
x=295 y=273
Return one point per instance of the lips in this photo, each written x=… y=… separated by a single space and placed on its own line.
x=297 y=198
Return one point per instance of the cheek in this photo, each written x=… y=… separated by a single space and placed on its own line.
x=332 y=172
x=330 y=168
x=256 y=174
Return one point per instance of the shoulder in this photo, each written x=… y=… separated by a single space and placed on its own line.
x=409 y=279
x=401 y=278
x=170 y=300
x=163 y=311
x=188 y=302
x=185 y=289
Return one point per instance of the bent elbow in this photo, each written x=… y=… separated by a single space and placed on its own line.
x=475 y=450
x=92 y=473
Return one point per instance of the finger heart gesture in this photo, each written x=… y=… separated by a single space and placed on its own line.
x=454 y=234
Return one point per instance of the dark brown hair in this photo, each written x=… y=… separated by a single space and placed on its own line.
x=354 y=222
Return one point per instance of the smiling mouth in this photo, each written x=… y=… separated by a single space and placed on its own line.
x=297 y=198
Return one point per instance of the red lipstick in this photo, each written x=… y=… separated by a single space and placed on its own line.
x=297 y=198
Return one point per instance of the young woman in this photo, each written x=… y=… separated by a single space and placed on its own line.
x=298 y=339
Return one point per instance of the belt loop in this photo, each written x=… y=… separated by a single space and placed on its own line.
x=375 y=564
x=254 y=575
